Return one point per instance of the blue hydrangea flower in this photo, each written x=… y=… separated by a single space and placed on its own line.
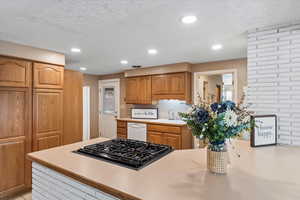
x=202 y=115
x=222 y=108
x=229 y=104
x=214 y=107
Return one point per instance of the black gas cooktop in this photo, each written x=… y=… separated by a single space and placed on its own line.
x=129 y=153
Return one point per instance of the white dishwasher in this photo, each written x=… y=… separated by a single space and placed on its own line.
x=137 y=131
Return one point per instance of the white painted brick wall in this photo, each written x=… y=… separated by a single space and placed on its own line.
x=274 y=77
x=48 y=184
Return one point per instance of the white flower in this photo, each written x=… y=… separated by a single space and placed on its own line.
x=246 y=119
x=190 y=110
x=230 y=118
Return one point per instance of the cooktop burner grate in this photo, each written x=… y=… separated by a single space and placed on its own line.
x=130 y=153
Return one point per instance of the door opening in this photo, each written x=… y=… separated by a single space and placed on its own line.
x=109 y=95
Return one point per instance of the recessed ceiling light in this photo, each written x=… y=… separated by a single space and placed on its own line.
x=152 y=51
x=189 y=19
x=83 y=68
x=216 y=47
x=75 y=50
x=124 y=62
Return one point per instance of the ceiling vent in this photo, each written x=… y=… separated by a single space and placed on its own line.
x=136 y=66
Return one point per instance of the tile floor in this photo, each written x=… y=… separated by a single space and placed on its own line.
x=21 y=196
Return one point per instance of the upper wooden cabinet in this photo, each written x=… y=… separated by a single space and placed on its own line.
x=138 y=90
x=172 y=86
x=145 y=89
x=47 y=118
x=14 y=72
x=131 y=90
x=48 y=76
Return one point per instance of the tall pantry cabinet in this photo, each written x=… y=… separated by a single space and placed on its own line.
x=47 y=106
x=31 y=117
x=15 y=124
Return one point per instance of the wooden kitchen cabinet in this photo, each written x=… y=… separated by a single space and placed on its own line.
x=131 y=90
x=138 y=90
x=172 y=140
x=12 y=165
x=179 y=137
x=47 y=118
x=14 y=72
x=48 y=76
x=73 y=112
x=27 y=121
x=15 y=139
x=172 y=86
x=155 y=137
x=121 y=129
x=144 y=90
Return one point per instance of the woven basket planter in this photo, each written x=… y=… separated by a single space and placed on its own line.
x=217 y=161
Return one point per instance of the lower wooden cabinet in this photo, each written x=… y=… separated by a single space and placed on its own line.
x=121 y=129
x=165 y=138
x=155 y=137
x=12 y=165
x=172 y=140
x=179 y=137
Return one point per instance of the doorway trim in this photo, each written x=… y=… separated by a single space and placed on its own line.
x=216 y=72
x=105 y=81
x=86 y=113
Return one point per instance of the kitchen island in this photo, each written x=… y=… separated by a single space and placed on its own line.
x=267 y=173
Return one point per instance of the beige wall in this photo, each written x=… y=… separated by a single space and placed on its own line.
x=239 y=64
x=31 y=53
x=92 y=81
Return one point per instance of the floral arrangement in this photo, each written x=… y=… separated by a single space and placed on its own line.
x=217 y=122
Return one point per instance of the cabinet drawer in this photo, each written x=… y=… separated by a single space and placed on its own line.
x=122 y=131
x=48 y=76
x=162 y=128
x=14 y=73
x=48 y=142
x=121 y=124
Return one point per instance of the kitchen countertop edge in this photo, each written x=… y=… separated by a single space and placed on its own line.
x=152 y=121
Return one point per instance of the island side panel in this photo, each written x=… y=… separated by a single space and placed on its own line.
x=48 y=184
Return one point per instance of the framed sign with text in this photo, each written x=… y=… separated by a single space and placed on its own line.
x=265 y=131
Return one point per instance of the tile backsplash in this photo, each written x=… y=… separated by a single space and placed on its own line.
x=164 y=106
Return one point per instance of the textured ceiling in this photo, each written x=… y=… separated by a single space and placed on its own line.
x=108 y=31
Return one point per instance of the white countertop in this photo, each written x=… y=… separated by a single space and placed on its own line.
x=160 y=121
